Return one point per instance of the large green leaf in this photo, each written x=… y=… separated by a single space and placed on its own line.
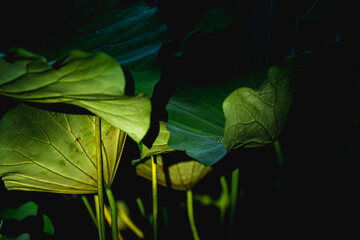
x=209 y=120
x=196 y=122
x=92 y=81
x=53 y=152
x=255 y=118
x=129 y=31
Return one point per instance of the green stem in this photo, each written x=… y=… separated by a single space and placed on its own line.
x=190 y=208
x=100 y=201
x=154 y=191
x=89 y=209
x=233 y=198
x=279 y=153
x=141 y=207
x=223 y=202
x=114 y=227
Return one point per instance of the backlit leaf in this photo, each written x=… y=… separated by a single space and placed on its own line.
x=182 y=175
x=53 y=152
x=95 y=82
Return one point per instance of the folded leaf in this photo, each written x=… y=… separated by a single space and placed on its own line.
x=160 y=144
x=53 y=152
x=255 y=118
x=95 y=82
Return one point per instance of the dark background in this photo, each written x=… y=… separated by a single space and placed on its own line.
x=314 y=195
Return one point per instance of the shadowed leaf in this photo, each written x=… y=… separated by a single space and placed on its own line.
x=255 y=118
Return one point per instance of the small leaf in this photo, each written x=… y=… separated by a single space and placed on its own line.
x=255 y=118
x=24 y=236
x=48 y=226
x=183 y=174
x=26 y=210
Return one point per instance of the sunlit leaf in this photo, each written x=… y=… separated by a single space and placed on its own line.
x=182 y=175
x=95 y=82
x=255 y=118
x=53 y=152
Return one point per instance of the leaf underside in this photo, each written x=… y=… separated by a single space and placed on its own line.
x=183 y=175
x=53 y=152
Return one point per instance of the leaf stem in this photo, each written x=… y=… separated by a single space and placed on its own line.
x=112 y=203
x=279 y=153
x=190 y=208
x=154 y=192
x=100 y=195
x=89 y=209
x=233 y=198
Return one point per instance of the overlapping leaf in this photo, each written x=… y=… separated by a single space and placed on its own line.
x=54 y=152
x=92 y=81
x=207 y=123
x=129 y=31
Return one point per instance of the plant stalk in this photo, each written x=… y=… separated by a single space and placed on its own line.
x=155 y=197
x=89 y=209
x=233 y=199
x=100 y=185
x=279 y=153
x=190 y=207
x=112 y=203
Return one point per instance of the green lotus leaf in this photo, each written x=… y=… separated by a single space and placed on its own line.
x=196 y=122
x=182 y=175
x=93 y=81
x=129 y=31
x=255 y=118
x=54 y=152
